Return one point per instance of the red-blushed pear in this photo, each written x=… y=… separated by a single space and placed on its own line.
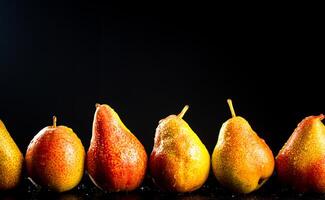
x=55 y=158
x=116 y=160
x=301 y=161
x=241 y=160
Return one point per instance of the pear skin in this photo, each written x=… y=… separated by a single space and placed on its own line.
x=116 y=160
x=179 y=161
x=55 y=158
x=11 y=162
x=301 y=161
x=241 y=160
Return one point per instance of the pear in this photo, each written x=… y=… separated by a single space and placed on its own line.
x=116 y=160
x=11 y=160
x=179 y=161
x=301 y=161
x=241 y=160
x=55 y=158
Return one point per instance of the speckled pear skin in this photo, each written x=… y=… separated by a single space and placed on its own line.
x=241 y=160
x=116 y=160
x=55 y=159
x=11 y=160
x=179 y=161
x=301 y=161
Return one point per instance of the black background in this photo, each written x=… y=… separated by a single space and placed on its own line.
x=147 y=60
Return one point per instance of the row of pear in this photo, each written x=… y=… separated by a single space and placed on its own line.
x=179 y=162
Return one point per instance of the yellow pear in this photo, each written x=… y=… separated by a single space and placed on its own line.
x=241 y=160
x=179 y=161
x=11 y=160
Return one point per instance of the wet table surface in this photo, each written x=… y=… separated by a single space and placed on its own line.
x=210 y=190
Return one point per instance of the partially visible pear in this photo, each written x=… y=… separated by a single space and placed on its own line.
x=241 y=160
x=11 y=160
x=116 y=160
x=301 y=161
x=179 y=161
x=55 y=158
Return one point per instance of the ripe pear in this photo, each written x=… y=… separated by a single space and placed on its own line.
x=55 y=158
x=11 y=160
x=179 y=161
x=241 y=160
x=301 y=161
x=116 y=160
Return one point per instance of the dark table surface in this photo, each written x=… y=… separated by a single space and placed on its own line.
x=210 y=190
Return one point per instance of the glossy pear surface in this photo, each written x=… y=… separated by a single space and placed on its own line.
x=241 y=160
x=301 y=161
x=179 y=161
x=55 y=158
x=11 y=160
x=116 y=160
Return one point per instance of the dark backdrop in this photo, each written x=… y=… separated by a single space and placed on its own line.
x=148 y=60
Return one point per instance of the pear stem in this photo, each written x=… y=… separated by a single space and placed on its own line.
x=54 y=122
x=231 y=107
x=182 y=113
